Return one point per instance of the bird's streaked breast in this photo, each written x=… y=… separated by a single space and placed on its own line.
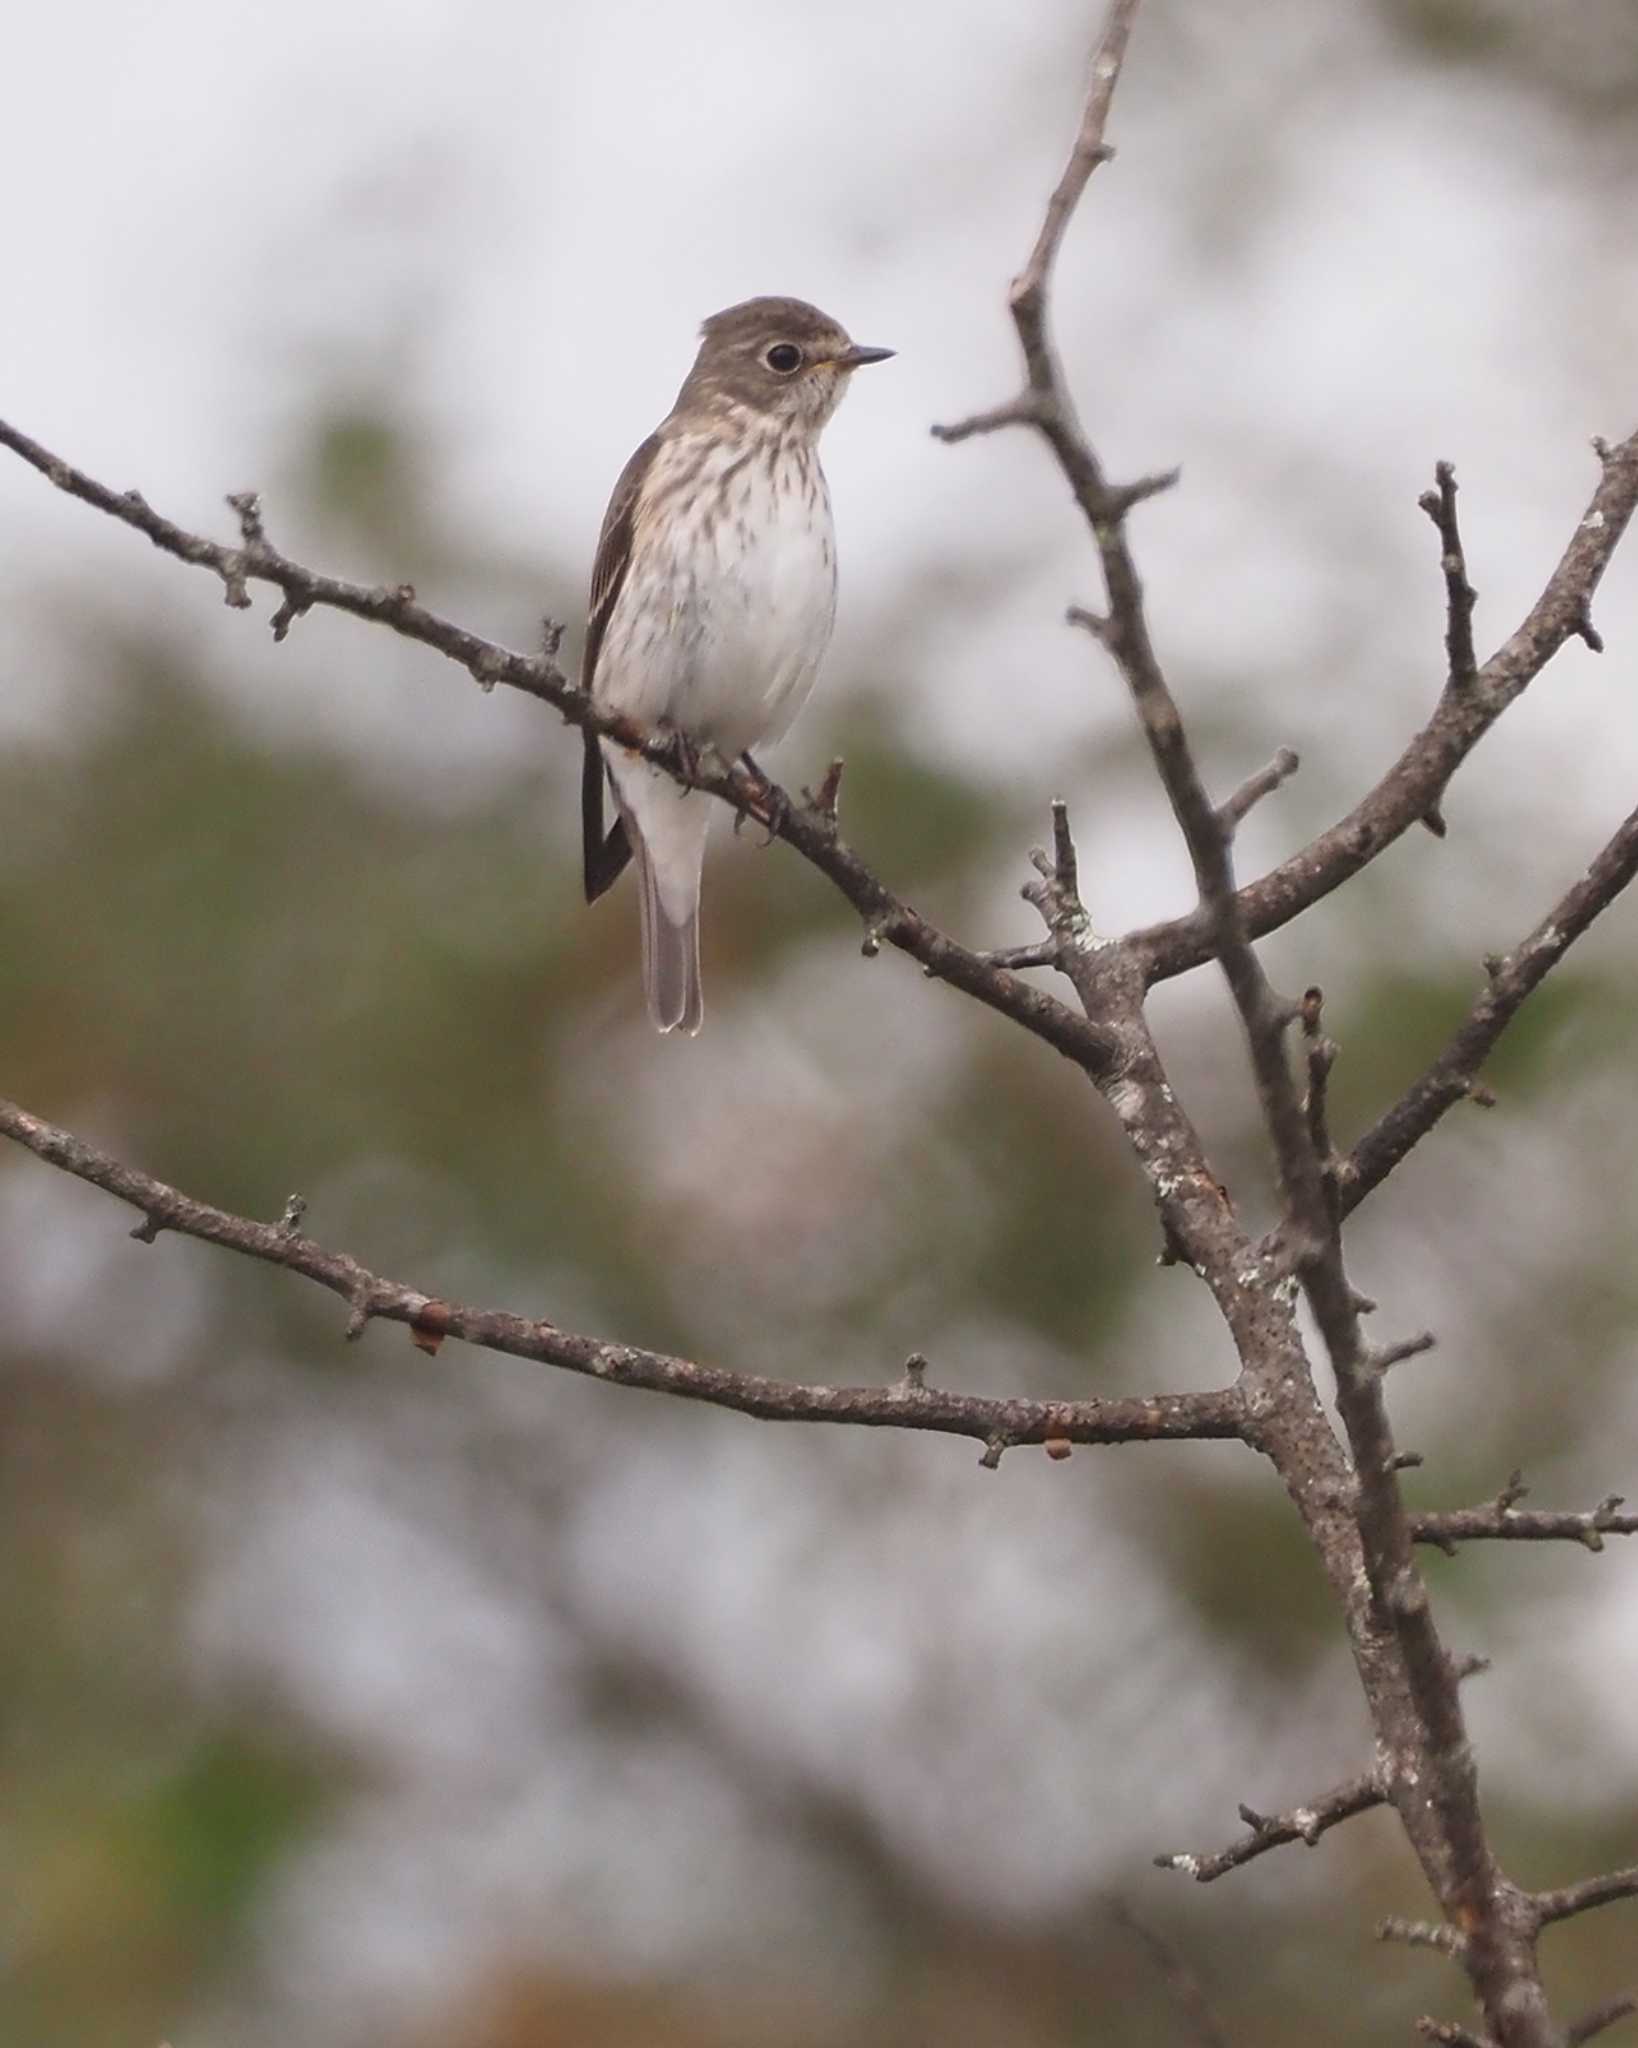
x=727 y=608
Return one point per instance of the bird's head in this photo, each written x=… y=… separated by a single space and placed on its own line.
x=780 y=359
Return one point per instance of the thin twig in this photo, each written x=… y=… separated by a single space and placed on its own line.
x=1420 y=1934
x=1571 y=1899
x=1451 y=2034
x=1322 y=1054
x=1501 y=1522
x=1591 y=2024
x=1460 y=596
x=1255 y=787
x=1306 y=1823
x=1088 y=152
x=1382 y=1358
x=1453 y=1076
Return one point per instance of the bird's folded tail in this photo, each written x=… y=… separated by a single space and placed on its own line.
x=671 y=954
x=666 y=830
x=603 y=858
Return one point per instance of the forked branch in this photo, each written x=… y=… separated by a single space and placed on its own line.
x=1409 y=1679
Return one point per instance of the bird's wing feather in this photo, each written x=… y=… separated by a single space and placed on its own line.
x=614 y=555
x=604 y=857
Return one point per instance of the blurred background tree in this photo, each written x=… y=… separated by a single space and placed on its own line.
x=353 y=1697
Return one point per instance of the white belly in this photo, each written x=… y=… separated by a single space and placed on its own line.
x=726 y=611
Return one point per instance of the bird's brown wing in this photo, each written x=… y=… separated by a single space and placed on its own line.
x=605 y=857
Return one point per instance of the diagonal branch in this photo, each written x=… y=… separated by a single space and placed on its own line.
x=1582 y=1898
x=810 y=828
x=1453 y=1076
x=908 y=1404
x=1416 y=781
x=1089 y=150
x=1236 y=808
x=1591 y=2024
x=1306 y=1823
x=258 y=561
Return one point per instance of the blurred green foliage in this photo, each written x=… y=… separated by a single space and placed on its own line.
x=1586 y=57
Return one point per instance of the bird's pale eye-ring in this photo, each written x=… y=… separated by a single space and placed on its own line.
x=784 y=357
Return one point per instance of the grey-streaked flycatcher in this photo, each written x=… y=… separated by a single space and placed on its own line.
x=712 y=602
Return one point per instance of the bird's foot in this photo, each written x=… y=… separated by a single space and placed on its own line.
x=685 y=755
x=774 y=806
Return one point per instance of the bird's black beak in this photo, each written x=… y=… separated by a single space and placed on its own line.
x=855 y=358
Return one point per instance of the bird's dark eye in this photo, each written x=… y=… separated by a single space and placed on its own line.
x=784 y=357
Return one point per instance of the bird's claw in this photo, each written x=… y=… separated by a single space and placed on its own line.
x=776 y=806
x=779 y=811
x=685 y=754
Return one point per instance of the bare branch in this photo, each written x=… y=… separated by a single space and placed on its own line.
x=825 y=801
x=1016 y=412
x=1090 y=150
x=1571 y=1899
x=908 y=1404
x=1414 y=784
x=811 y=830
x=260 y=563
x=1382 y=1358
x=1420 y=1934
x=1500 y=1521
x=1044 y=953
x=1057 y=894
x=1123 y=497
x=1438 y=1799
x=1252 y=791
x=249 y=508
x=1322 y=1053
x=1584 y=627
x=1305 y=1823
x=1460 y=596
x=1451 y=2035
x=1453 y=1076
x=1045 y=403
x=1591 y=2024
x=1065 y=866
x=1410 y=1681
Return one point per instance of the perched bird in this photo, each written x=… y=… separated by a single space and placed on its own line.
x=712 y=601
